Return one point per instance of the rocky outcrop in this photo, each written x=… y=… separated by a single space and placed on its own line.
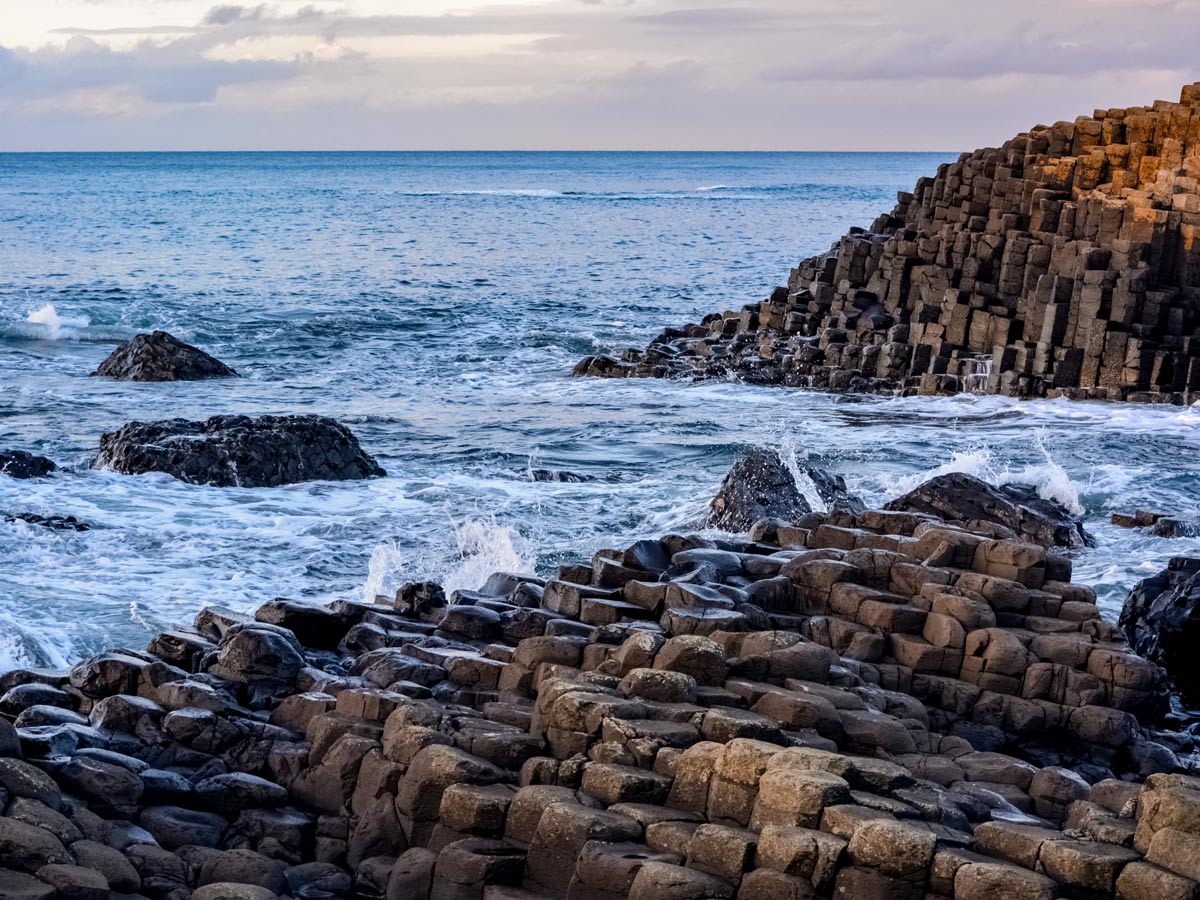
x=20 y=464
x=761 y=486
x=1063 y=263
x=227 y=451
x=1014 y=511
x=1161 y=619
x=1161 y=525
x=160 y=356
x=874 y=704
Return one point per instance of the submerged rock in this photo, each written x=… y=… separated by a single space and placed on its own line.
x=56 y=523
x=227 y=451
x=761 y=486
x=1162 y=525
x=19 y=464
x=557 y=475
x=1016 y=508
x=160 y=356
x=1161 y=619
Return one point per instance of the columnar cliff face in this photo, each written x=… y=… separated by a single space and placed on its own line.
x=1065 y=262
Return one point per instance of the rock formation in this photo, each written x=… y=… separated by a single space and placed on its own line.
x=160 y=356
x=1012 y=511
x=1161 y=619
x=867 y=705
x=760 y=486
x=1064 y=263
x=227 y=451
x=19 y=464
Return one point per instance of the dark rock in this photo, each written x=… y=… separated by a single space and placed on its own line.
x=19 y=464
x=761 y=486
x=964 y=500
x=1174 y=527
x=257 y=652
x=55 y=523
x=19 y=886
x=159 y=356
x=424 y=599
x=227 y=451
x=314 y=626
x=1161 y=619
x=553 y=475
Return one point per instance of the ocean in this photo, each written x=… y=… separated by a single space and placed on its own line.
x=435 y=303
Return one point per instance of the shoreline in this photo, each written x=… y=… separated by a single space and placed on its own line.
x=850 y=703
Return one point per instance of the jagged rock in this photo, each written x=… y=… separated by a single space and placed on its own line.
x=974 y=504
x=1059 y=264
x=160 y=356
x=761 y=486
x=1161 y=619
x=20 y=464
x=227 y=451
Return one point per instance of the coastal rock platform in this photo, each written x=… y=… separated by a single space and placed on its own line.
x=872 y=704
x=1063 y=263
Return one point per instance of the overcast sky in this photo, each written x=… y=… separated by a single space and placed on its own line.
x=576 y=74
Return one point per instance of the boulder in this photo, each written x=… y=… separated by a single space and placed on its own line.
x=19 y=464
x=760 y=485
x=964 y=500
x=1161 y=619
x=160 y=356
x=227 y=451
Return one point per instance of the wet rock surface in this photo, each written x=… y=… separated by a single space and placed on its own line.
x=1161 y=619
x=160 y=356
x=760 y=485
x=1010 y=510
x=20 y=464
x=240 y=451
x=1059 y=264
x=859 y=704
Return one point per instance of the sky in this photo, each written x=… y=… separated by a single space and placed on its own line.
x=944 y=75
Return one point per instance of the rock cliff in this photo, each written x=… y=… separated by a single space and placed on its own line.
x=1065 y=262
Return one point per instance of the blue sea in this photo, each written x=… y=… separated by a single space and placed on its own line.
x=436 y=302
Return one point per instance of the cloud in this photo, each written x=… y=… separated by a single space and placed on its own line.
x=158 y=73
x=830 y=73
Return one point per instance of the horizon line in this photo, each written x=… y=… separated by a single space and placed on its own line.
x=450 y=150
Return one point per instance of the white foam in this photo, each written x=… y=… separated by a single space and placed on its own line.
x=1048 y=477
x=57 y=327
x=508 y=192
x=804 y=483
x=708 y=188
x=481 y=547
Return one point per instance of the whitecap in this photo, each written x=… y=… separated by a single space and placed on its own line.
x=56 y=327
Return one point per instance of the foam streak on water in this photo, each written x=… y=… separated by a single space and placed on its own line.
x=436 y=303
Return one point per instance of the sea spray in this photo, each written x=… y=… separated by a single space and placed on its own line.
x=804 y=482
x=56 y=327
x=482 y=546
x=1048 y=477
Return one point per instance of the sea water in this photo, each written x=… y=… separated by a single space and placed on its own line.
x=436 y=302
